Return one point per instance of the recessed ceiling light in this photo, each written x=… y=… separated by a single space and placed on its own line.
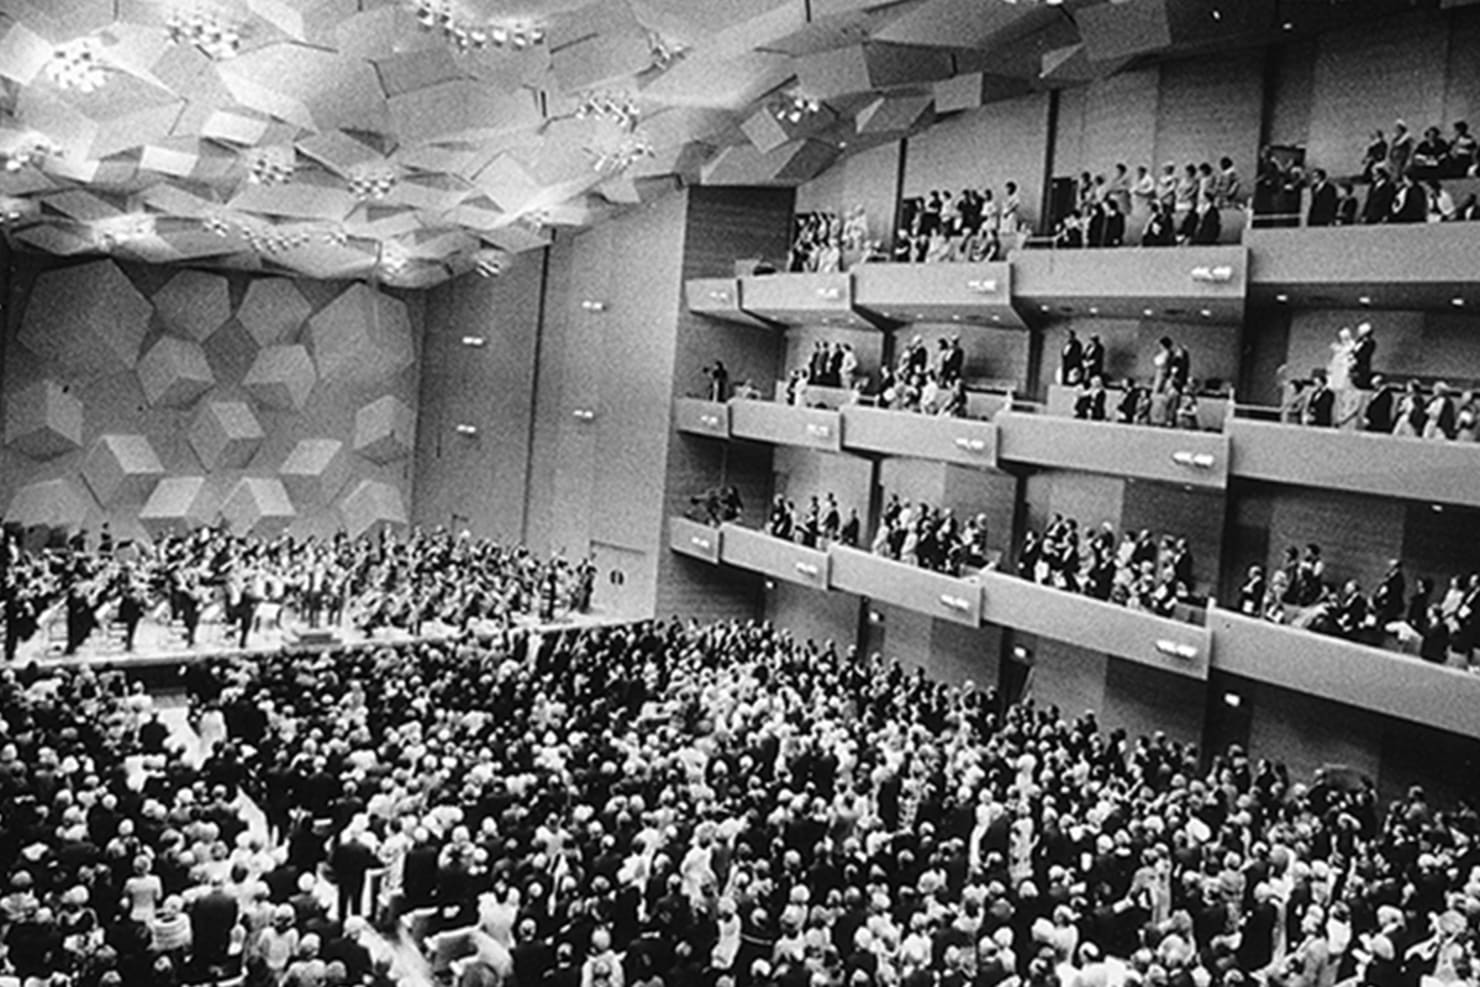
x=1044 y=307
x=1207 y=313
x=1288 y=25
x=1217 y=14
x=1457 y=302
x=1282 y=298
x=1364 y=300
x=996 y=318
x=955 y=318
x=1148 y=312
x=1093 y=310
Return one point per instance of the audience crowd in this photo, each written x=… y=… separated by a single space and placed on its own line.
x=210 y=574
x=1137 y=569
x=1170 y=399
x=825 y=243
x=669 y=804
x=1171 y=208
x=821 y=524
x=1444 y=629
x=932 y=538
x=970 y=227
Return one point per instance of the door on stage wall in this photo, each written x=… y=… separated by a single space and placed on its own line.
x=626 y=581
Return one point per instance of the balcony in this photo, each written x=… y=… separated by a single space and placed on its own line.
x=695 y=540
x=1360 y=462
x=699 y=417
x=899 y=433
x=1168 y=455
x=1107 y=628
x=785 y=425
x=1398 y=685
x=719 y=298
x=979 y=294
x=803 y=299
x=859 y=572
x=757 y=551
x=1212 y=411
x=1407 y=266
x=1132 y=283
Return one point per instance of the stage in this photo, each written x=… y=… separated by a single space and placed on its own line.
x=161 y=646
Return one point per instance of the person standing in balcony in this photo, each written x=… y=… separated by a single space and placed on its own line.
x=1379 y=205
x=1378 y=416
x=1114 y=235
x=1346 y=205
x=1159 y=231
x=1410 y=202
x=1439 y=414
x=1412 y=413
x=1119 y=190
x=1012 y=208
x=1071 y=360
x=1320 y=404
x=1363 y=346
x=1323 y=199
x=1400 y=151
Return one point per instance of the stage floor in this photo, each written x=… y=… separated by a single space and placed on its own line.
x=156 y=644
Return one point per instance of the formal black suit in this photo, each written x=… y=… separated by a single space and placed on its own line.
x=1322 y=205
x=1209 y=227
x=1320 y=406
x=1410 y=205
x=1379 y=205
x=1379 y=413
x=1114 y=229
x=1361 y=372
x=1090 y=405
x=1093 y=360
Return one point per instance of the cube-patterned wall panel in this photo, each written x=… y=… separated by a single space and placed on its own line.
x=273 y=311
x=225 y=434
x=258 y=506
x=315 y=470
x=281 y=377
x=121 y=468
x=43 y=420
x=385 y=430
x=194 y=303
x=174 y=373
x=370 y=505
x=55 y=503
x=177 y=505
x=89 y=318
x=362 y=336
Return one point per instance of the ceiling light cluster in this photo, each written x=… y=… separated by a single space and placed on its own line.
x=118 y=230
x=623 y=156
x=13 y=159
x=261 y=238
x=619 y=108
x=664 y=52
x=489 y=263
x=271 y=166
x=13 y=208
x=795 y=108
x=394 y=258
x=438 y=15
x=213 y=37
x=77 y=65
x=372 y=185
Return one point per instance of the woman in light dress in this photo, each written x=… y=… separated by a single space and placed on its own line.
x=1339 y=370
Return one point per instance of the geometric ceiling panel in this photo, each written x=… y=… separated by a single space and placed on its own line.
x=23 y=52
x=273 y=310
x=892 y=113
x=88 y=317
x=461 y=111
x=259 y=506
x=296 y=201
x=315 y=470
x=307 y=87
x=361 y=336
x=225 y=434
x=600 y=61
x=957 y=23
x=178 y=504
x=194 y=304
x=402 y=73
x=126 y=112
x=325 y=261
x=312 y=21
x=1120 y=30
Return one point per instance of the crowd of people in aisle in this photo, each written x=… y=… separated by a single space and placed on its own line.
x=1139 y=570
x=821 y=524
x=1444 y=629
x=245 y=583
x=932 y=538
x=698 y=806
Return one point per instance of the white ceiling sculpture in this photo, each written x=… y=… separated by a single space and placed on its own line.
x=412 y=140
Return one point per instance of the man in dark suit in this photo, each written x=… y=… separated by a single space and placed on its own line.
x=1209 y=225
x=1362 y=351
x=1090 y=404
x=1411 y=203
x=1379 y=413
x=1379 y=205
x=1321 y=403
x=1114 y=224
x=1322 y=200
x=1071 y=360
x=212 y=916
x=1092 y=361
